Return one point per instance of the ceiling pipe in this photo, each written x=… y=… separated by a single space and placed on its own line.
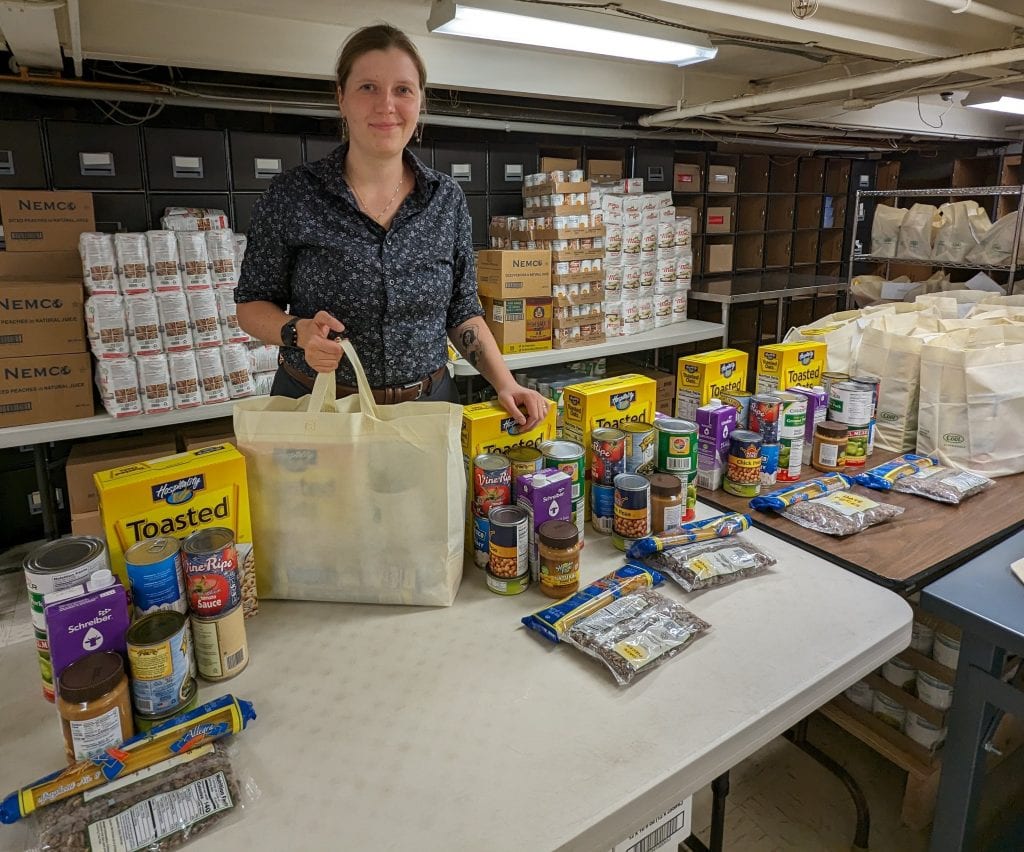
x=980 y=10
x=916 y=71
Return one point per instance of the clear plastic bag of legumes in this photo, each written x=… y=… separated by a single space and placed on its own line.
x=826 y=505
x=943 y=484
x=636 y=633
x=716 y=562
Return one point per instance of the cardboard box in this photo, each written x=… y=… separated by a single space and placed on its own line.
x=88 y=458
x=719 y=220
x=786 y=365
x=177 y=495
x=718 y=258
x=506 y=274
x=41 y=318
x=519 y=325
x=40 y=265
x=88 y=523
x=604 y=170
x=41 y=388
x=706 y=376
x=558 y=164
x=721 y=179
x=686 y=178
x=666 y=382
x=209 y=433
x=45 y=221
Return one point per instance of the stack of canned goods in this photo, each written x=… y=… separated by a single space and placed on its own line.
x=853 y=403
x=765 y=418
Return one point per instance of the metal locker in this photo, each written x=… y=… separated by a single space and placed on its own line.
x=504 y=205
x=478 y=213
x=318 y=147
x=258 y=158
x=466 y=163
x=216 y=201
x=120 y=212
x=185 y=160
x=21 y=156
x=508 y=165
x=654 y=165
x=94 y=156
x=425 y=153
x=244 y=204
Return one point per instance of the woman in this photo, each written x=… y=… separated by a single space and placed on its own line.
x=372 y=243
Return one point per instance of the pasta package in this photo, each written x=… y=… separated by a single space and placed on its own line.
x=720 y=526
x=882 y=477
x=782 y=498
x=826 y=505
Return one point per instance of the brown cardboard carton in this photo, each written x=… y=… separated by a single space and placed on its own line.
x=719 y=220
x=721 y=179
x=41 y=388
x=506 y=274
x=685 y=178
x=604 y=170
x=45 y=221
x=41 y=318
x=718 y=258
x=558 y=164
x=519 y=325
x=88 y=523
x=40 y=265
x=89 y=457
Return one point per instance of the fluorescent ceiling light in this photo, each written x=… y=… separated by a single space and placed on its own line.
x=569 y=29
x=994 y=101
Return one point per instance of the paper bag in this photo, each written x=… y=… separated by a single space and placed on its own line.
x=915 y=242
x=885 y=230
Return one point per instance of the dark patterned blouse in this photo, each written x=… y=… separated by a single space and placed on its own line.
x=397 y=292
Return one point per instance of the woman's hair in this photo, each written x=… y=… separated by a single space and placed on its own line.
x=377 y=37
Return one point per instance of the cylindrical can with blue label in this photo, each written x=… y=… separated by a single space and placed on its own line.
x=769 y=464
x=602 y=508
x=162 y=663
x=765 y=417
x=481 y=541
x=154 y=572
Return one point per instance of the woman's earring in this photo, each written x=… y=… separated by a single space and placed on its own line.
x=418 y=135
x=344 y=129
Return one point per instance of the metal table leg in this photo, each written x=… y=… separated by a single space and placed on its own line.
x=725 y=325
x=51 y=523
x=779 y=319
x=719 y=792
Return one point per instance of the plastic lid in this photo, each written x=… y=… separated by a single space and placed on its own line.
x=828 y=429
x=558 y=534
x=100 y=580
x=665 y=485
x=539 y=479
x=91 y=677
x=715 y=402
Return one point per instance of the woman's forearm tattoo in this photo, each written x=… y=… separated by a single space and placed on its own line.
x=471 y=345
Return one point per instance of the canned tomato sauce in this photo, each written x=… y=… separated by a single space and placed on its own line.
x=221 y=647
x=607 y=456
x=210 y=565
x=492 y=482
x=154 y=572
x=161 y=661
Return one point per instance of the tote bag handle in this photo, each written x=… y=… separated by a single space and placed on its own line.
x=324 y=395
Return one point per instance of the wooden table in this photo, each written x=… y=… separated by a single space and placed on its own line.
x=928 y=540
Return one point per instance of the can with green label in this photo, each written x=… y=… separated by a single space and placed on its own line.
x=677 y=447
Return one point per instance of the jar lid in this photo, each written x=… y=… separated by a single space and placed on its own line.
x=665 y=485
x=558 y=534
x=828 y=429
x=91 y=677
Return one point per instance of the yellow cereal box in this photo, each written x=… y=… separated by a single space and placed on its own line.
x=787 y=365
x=488 y=428
x=175 y=496
x=606 y=403
x=704 y=377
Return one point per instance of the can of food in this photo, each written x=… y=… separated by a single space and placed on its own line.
x=921 y=638
x=576 y=176
x=850 y=403
x=888 y=710
x=221 y=648
x=509 y=543
x=492 y=482
x=871 y=438
x=769 y=465
x=556 y=199
x=567 y=456
x=632 y=509
x=579 y=516
x=523 y=460
x=934 y=692
x=45 y=663
x=481 y=540
x=869 y=382
x=607 y=456
x=765 y=417
x=154 y=572
x=857 y=445
x=899 y=673
x=560 y=223
x=210 y=564
x=792 y=424
x=512 y=586
x=145 y=722
x=59 y=565
x=743 y=465
x=861 y=694
x=556 y=176
x=602 y=507
x=677 y=447
x=829 y=378
x=946 y=650
x=923 y=732
x=640 y=447
x=562 y=267
x=161 y=661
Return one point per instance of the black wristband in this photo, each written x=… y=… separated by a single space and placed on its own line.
x=290 y=333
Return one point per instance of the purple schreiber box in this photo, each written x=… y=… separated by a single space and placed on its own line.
x=96 y=621
x=817 y=409
x=547 y=496
x=714 y=423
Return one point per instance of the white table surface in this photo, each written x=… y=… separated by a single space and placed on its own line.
x=390 y=728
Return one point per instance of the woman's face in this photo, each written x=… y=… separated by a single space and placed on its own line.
x=381 y=102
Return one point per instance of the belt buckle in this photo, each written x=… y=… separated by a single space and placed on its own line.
x=418 y=385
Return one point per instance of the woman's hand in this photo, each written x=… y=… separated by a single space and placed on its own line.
x=514 y=398
x=322 y=354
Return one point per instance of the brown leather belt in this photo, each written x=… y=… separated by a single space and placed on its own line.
x=384 y=396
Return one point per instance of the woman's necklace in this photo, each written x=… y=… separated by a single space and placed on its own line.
x=387 y=206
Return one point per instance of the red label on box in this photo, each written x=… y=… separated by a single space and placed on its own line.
x=686 y=178
x=716 y=220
